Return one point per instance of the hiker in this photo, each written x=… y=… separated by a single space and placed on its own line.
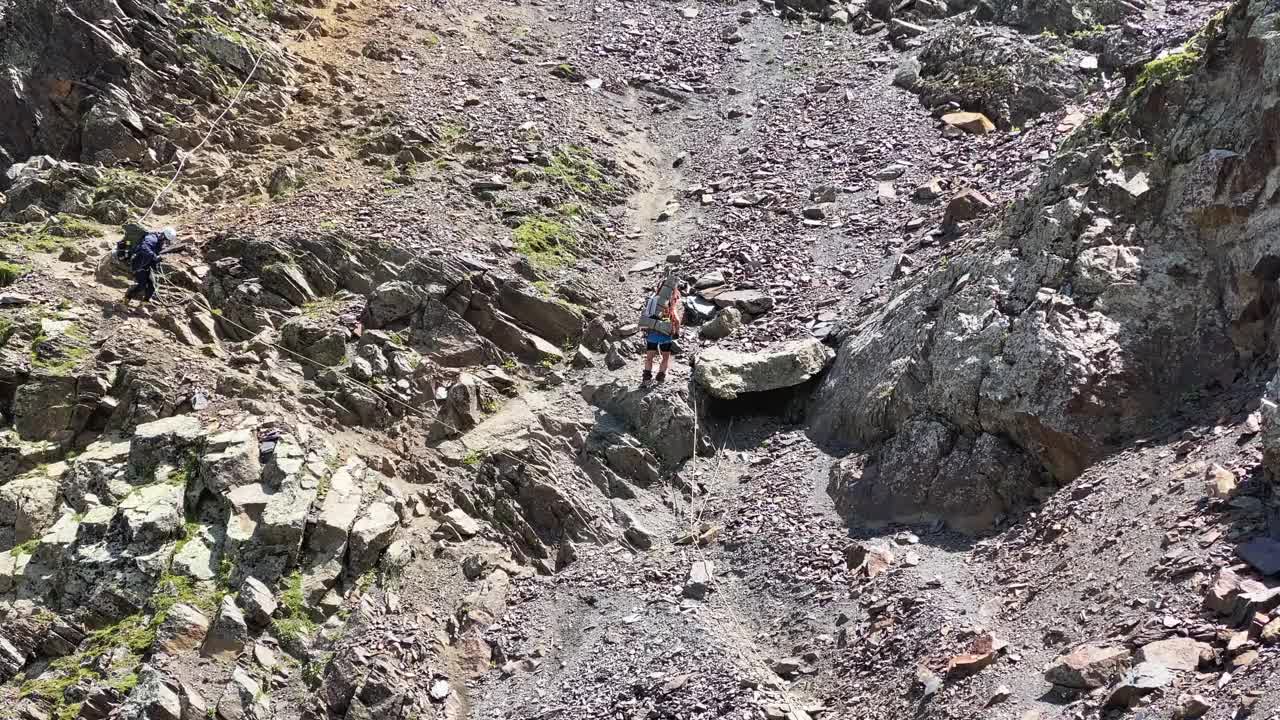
x=663 y=329
x=143 y=258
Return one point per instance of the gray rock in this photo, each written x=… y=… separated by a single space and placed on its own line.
x=1180 y=653
x=243 y=698
x=257 y=602
x=698 y=583
x=392 y=302
x=632 y=530
x=1138 y=682
x=29 y=504
x=463 y=524
x=228 y=635
x=1262 y=553
x=725 y=323
x=552 y=319
x=183 y=629
x=371 y=534
x=155 y=697
x=316 y=339
x=168 y=441
x=584 y=358
x=442 y=335
x=633 y=462
x=995 y=71
x=284 y=179
x=1088 y=667
x=152 y=514
x=43 y=407
x=726 y=374
x=661 y=418
x=752 y=302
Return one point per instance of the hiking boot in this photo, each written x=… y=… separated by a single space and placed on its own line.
x=662 y=377
x=646 y=378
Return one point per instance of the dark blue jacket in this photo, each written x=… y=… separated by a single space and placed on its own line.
x=147 y=254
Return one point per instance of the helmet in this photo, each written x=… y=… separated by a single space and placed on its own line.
x=169 y=234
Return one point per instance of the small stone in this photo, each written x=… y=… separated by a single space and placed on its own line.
x=1219 y=481
x=815 y=212
x=967 y=205
x=1138 y=682
x=872 y=557
x=1244 y=659
x=1192 y=706
x=699 y=581
x=931 y=190
x=1001 y=694
x=440 y=690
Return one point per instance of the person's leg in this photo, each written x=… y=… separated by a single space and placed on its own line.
x=148 y=287
x=666 y=363
x=139 y=286
x=649 y=351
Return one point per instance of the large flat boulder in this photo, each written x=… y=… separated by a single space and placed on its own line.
x=726 y=374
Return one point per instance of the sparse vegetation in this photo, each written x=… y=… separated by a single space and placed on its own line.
x=473 y=458
x=26 y=548
x=578 y=170
x=294 y=622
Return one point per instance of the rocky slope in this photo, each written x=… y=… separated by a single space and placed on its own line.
x=970 y=419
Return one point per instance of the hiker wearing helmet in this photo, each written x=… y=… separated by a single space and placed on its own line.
x=144 y=258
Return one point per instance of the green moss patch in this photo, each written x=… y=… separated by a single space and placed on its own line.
x=547 y=243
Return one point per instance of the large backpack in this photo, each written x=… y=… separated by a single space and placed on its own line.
x=662 y=307
x=133 y=234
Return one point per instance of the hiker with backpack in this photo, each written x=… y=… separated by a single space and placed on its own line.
x=661 y=320
x=143 y=257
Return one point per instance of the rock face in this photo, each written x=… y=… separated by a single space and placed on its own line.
x=662 y=419
x=994 y=71
x=726 y=374
x=1063 y=337
x=57 y=93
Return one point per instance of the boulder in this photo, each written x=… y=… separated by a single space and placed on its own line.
x=182 y=630
x=752 y=302
x=29 y=505
x=155 y=697
x=152 y=514
x=167 y=441
x=873 y=558
x=370 y=535
x=726 y=374
x=43 y=407
x=446 y=338
x=553 y=319
x=229 y=633
x=257 y=602
x=968 y=204
x=392 y=302
x=1088 y=667
x=661 y=418
x=1138 y=682
x=316 y=339
x=1004 y=76
x=1181 y=654
x=243 y=698
x=463 y=524
x=971 y=122
x=725 y=323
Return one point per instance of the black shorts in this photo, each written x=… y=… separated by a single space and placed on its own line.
x=660 y=347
